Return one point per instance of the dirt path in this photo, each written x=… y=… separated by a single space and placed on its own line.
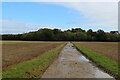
x=72 y=64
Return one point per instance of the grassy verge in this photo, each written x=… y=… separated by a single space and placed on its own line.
x=0 y=75
x=100 y=60
x=33 y=68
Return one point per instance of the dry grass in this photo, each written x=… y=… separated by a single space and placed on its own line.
x=16 y=52
x=109 y=49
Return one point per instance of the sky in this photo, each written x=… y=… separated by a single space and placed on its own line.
x=21 y=17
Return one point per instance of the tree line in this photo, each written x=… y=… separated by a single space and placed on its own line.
x=74 y=34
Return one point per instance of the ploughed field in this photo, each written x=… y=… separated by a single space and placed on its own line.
x=108 y=49
x=14 y=52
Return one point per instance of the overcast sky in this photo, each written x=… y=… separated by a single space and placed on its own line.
x=20 y=17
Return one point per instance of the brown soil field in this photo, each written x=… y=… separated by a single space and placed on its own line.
x=108 y=49
x=16 y=52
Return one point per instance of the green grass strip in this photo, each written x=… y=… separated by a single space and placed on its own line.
x=22 y=70
x=100 y=59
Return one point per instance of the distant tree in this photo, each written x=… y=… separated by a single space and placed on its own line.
x=75 y=34
x=80 y=36
x=90 y=32
x=114 y=32
x=46 y=34
x=101 y=36
x=56 y=31
x=57 y=34
x=112 y=37
x=90 y=35
x=77 y=30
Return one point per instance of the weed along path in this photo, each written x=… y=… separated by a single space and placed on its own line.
x=72 y=64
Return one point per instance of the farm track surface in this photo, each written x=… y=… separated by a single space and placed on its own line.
x=15 y=53
x=72 y=64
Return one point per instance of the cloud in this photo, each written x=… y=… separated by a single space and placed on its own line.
x=12 y=26
x=98 y=13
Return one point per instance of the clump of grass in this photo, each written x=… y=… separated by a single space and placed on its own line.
x=33 y=68
x=99 y=59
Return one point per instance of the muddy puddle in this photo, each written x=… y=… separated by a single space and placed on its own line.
x=72 y=64
x=79 y=58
